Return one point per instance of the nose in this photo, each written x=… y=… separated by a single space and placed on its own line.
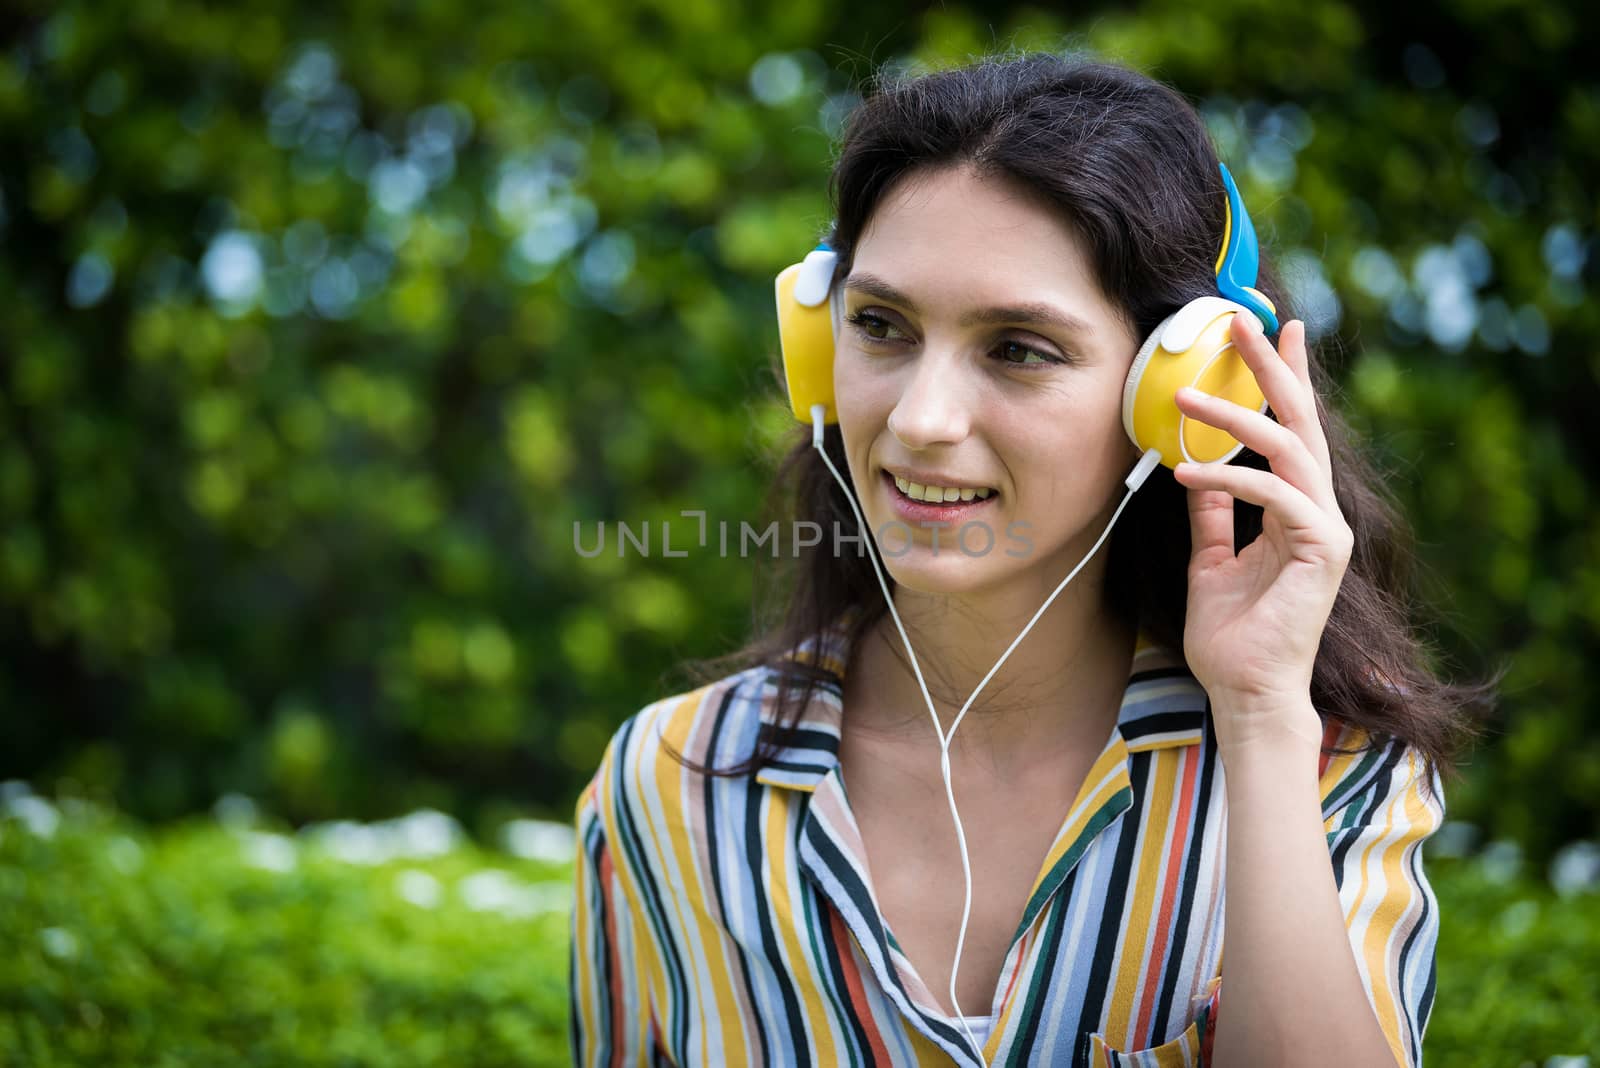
x=933 y=407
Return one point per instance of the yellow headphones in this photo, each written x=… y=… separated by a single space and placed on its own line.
x=1191 y=347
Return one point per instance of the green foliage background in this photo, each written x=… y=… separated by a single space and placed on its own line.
x=324 y=325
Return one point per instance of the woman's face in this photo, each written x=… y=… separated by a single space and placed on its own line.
x=978 y=355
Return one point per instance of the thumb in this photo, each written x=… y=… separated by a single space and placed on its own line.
x=1210 y=527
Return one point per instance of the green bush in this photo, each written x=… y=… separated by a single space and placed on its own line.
x=204 y=945
x=207 y=944
x=1518 y=982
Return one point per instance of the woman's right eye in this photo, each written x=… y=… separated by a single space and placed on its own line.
x=868 y=326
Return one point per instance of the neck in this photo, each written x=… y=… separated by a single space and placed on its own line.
x=1060 y=688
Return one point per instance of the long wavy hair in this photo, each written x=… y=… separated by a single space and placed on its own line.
x=1130 y=163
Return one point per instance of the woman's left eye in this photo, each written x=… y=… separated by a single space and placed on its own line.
x=1031 y=357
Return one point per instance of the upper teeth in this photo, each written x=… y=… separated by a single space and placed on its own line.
x=939 y=494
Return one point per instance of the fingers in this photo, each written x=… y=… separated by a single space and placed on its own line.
x=1285 y=450
x=1300 y=516
x=1210 y=527
x=1292 y=347
x=1284 y=377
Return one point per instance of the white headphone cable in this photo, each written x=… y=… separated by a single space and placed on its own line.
x=1135 y=479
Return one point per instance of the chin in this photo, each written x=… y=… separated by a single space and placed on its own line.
x=949 y=573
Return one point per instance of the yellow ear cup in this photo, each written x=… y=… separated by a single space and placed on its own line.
x=805 y=337
x=1191 y=347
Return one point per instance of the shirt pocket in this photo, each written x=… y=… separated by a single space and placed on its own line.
x=1181 y=1052
x=1188 y=1050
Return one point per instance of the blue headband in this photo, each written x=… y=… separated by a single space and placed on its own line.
x=1240 y=258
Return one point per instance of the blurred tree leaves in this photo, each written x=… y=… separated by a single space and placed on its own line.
x=326 y=327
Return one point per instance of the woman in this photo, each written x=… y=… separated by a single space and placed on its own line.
x=1230 y=697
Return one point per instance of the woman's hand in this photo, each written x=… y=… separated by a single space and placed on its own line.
x=1255 y=618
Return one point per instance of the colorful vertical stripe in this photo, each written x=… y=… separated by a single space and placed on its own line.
x=732 y=921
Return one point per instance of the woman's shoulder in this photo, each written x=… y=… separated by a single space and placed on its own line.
x=1359 y=768
x=722 y=723
x=714 y=724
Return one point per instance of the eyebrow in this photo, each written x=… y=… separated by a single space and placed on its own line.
x=1033 y=312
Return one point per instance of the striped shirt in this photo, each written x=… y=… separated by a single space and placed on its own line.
x=732 y=921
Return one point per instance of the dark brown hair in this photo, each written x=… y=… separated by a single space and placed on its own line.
x=1129 y=162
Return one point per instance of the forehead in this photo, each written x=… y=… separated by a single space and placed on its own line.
x=952 y=238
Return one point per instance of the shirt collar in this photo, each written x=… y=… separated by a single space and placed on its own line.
x=1163 y=706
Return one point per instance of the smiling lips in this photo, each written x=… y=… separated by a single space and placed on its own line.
x=927 y=501
x=939 y=494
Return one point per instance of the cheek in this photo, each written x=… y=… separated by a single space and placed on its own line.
x=1067 y=455
x=1096 y=429
x=861 y=401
